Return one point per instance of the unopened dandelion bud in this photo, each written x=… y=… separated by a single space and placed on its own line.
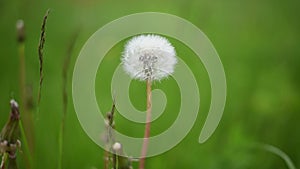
x=20 y=31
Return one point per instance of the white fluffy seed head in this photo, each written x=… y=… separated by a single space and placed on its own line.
x=149 y=57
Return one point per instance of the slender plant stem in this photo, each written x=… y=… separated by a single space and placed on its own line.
x=106 y=159
x=26 y=147
x=60 y=142
x=147 y=127
x=22 y=74
x=3 y=161
x=26 y=114
x=65 y=68
x=27 y=117
x=109 y=138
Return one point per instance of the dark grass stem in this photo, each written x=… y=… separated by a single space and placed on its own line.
x=109 y=137
x=117 y=159
x=41 y=53
x=66 y=65
x=148 y=125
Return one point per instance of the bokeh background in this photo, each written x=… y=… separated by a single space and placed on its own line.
x=258 y=43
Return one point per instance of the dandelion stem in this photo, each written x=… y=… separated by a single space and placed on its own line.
x=148 y=124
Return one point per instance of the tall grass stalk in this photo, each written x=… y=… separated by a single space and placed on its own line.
x=26 y=115
x=66 y=65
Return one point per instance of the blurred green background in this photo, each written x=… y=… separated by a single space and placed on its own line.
x=258 y=43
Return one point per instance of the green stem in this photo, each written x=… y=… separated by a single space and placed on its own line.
x=60 y=144
x=25 y=144
x=65 y=69
x=26 y=117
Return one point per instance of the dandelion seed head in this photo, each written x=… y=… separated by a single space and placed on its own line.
x=149 y=57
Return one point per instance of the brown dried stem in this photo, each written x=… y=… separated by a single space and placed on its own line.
x=109 y=138
x=9 y=137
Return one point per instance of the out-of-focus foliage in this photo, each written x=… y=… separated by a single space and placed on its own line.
x=258 y=43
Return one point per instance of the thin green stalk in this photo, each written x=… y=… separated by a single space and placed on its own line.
x=65 y=69
x=26 y=117
x=60 y=144
x=25 y=145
